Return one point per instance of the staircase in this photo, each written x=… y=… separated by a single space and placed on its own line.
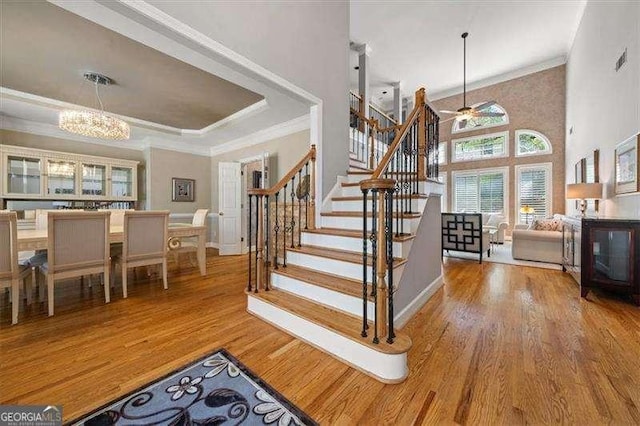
x=319 y=286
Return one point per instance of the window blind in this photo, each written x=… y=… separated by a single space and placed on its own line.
x=480 y=192
x=534 y=192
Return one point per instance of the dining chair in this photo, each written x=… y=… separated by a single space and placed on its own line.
x=189 y=244
x=77 y=245
x=11 y=272
x=117 y=215
x=144 y=243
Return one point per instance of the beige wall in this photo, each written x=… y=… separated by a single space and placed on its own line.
x=117 y=150
x=163 y=166
x=535 y=102
x=284 y=153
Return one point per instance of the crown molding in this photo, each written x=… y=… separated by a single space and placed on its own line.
x=500 y=78
x=148 y=11
x=237 y=116
x=279 y=130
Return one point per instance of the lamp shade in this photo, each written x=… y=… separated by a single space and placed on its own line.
x=584 y=191
x=527 y=210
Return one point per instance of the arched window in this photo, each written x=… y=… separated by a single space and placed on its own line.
x=481 y=122
x=530 y=142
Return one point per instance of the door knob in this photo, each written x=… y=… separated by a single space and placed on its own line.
x=221 y=214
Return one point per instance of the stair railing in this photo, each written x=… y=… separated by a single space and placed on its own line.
x=277 y=216
x=370 y=137
x=411 y=157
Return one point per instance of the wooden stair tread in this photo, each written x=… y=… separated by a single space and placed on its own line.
x=359 y=197
x=359 y=214
x=322 y=279
x=338 y=321
x=343 y=255
x=353 y=233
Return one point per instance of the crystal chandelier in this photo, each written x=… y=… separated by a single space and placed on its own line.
x=93 y=123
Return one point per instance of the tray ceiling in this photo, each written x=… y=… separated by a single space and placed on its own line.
x=46 y=50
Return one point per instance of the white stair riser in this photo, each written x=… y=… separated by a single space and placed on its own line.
x=417 y=205
x=344 y=302
x=358 y=177
x=385 y=367
x=333 y=266
x=355 y=223
x=400 y=249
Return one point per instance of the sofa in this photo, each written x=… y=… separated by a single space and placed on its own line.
x=495 y=221
x=540 y=242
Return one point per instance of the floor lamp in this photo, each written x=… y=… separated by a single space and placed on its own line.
x=583 y=192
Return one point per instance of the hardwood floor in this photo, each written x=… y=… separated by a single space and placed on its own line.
x=499 y=344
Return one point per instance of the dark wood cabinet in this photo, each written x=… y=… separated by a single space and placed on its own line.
x=611 y=256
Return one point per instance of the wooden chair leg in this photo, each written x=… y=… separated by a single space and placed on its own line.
x=164 y=273
x=124 y=280
x=107 y=288
x=28 y=289
x=50 y=283
x=15 y=300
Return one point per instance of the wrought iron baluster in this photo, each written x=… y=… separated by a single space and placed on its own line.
x=267 y=231
x=374 y=267
x=249 y=240
x=398 y=191
x=258 y=199
x=306 y=197
x=389 y=235
x=365 y=236
x=300 y=208
x=293 y=219
x=285 y=225
x=276 y=229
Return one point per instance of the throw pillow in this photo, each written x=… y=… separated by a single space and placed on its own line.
x=547 y=225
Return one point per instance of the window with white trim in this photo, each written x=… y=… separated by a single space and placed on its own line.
x=483 y=191
x=530 y=142
x=534 y=190
x=442 y=177
x=476 y=123
x=480 y=147
x=442 y=153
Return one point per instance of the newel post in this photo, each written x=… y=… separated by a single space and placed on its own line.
x=380 y=235
x=422 y=133
x=311 y=214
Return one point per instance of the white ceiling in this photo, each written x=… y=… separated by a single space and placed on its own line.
x=419 y=43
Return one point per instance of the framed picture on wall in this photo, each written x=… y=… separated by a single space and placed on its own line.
x=627 y=159
x=183 y=189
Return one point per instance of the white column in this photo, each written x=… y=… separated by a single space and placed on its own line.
x=397 y=102
x=364 y=52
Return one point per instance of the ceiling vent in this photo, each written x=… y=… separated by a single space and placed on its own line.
x=621 y=60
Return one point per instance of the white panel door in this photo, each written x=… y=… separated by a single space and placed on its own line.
x=229 y=219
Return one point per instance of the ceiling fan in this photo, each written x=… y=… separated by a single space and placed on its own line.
x=466 y=113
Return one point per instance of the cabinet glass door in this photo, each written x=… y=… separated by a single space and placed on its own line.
x=61 y=178
x=121 y=182
x=611 y=254
x=94 y=179
x=23 y=175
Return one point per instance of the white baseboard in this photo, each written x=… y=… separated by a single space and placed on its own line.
x=412 y=308
x=211 y=244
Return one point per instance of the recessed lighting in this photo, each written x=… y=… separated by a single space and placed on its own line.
x=384 y=92
x=356 y=67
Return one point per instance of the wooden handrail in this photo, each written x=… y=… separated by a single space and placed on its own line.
x=384 y=163
x=310 y=156
x=355 y=94
x=369 y=121
x=372 y=106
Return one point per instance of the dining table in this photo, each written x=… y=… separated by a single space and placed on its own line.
x=36 y=239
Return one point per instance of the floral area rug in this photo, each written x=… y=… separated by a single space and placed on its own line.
x=215 y=390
